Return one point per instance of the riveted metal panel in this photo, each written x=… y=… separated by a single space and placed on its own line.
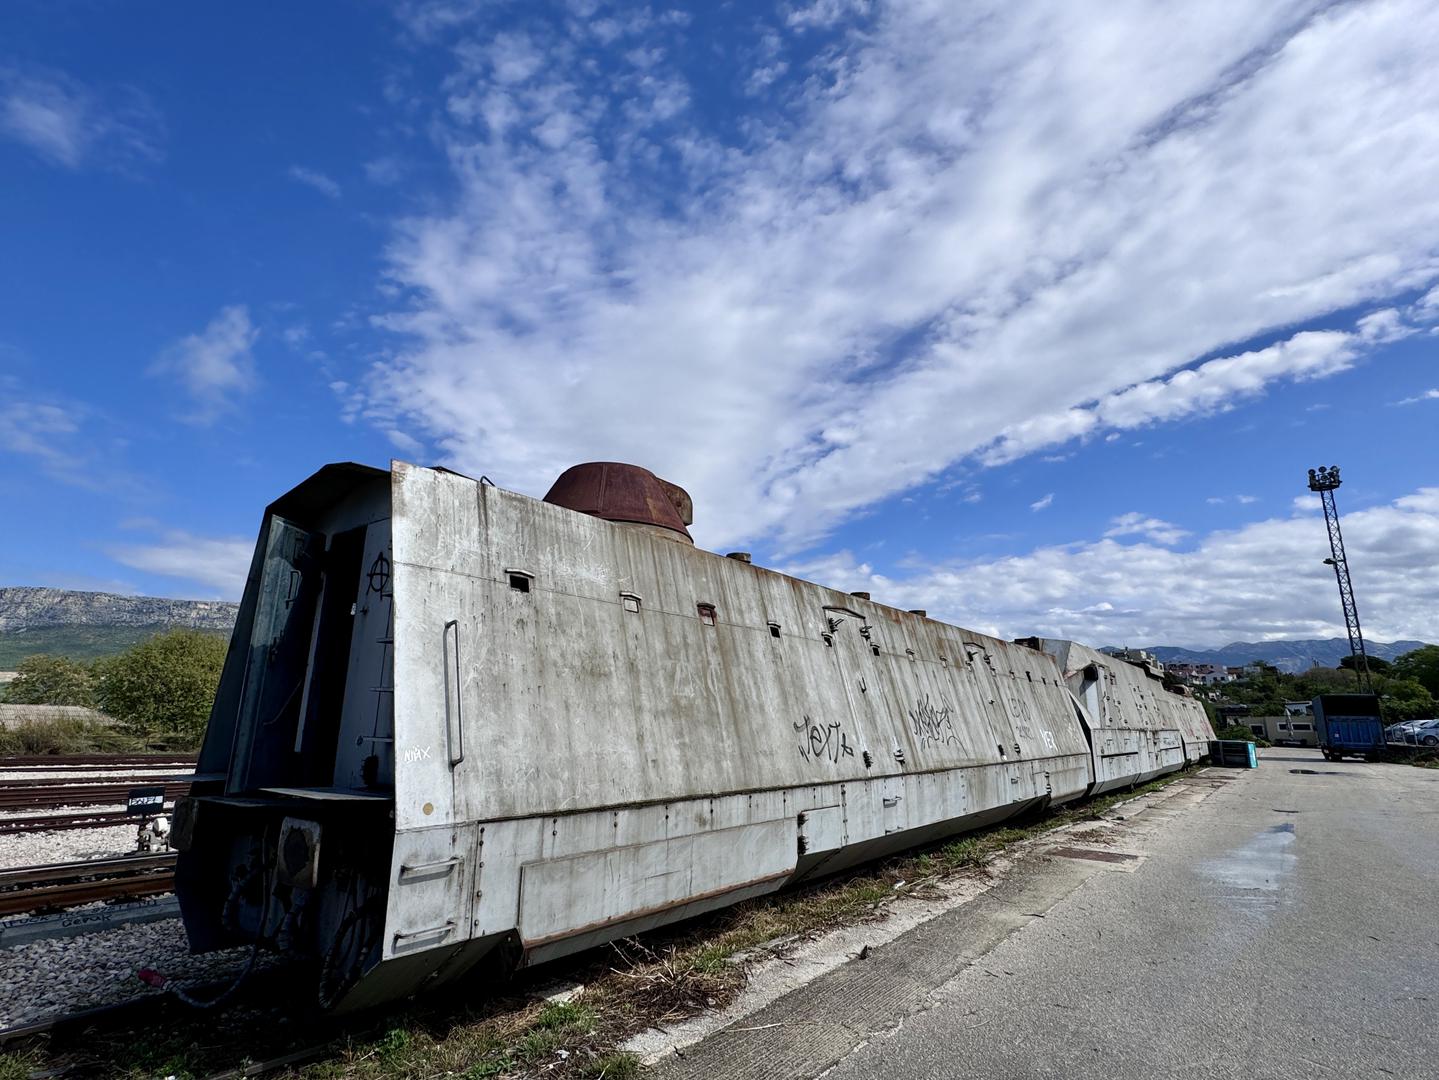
x=578 y=893
x=821 y=829
x=430 y=890
x=651 y=702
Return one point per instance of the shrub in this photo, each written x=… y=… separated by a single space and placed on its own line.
x=50 y=680
x=163 y=688
x=1242 y=734
x=70 y=735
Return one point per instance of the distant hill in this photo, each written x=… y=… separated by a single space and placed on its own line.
x=87 y=625
x=1288 y=656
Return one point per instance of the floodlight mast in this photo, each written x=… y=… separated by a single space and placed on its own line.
x=1325 y=480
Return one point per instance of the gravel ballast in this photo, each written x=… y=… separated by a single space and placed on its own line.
x=66 y=845
x=59 y=976
x=80 y=775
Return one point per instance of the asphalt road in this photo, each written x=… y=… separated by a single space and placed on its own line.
x=1282 y=924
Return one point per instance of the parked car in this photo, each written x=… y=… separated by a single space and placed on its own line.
x=1423 y=733
x=1414 y=732
x=1396 y=733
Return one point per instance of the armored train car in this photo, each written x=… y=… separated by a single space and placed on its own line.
x=459 y=724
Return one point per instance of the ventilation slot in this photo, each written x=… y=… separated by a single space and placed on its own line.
x=706 y=613
x=519 y=579
x=630 y=601
x=774 y=629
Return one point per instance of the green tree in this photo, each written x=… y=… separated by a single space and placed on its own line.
x=1405 y=699
x=1422 y=665
x=165 y=685
x=1320 y=680
x=50 y=680
x=1264 y=688
x=1376 y=665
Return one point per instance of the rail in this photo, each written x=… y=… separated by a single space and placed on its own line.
x=117 y=761
x=60 y=885
x=27 y=795
x=92 y=819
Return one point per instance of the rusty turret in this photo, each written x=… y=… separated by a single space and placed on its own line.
x=625 y=493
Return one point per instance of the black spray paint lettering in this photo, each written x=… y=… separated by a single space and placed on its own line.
x=822 y=742
x=932 y=723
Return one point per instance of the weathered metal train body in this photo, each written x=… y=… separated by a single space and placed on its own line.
x=458 y=723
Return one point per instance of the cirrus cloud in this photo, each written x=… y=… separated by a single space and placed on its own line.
x=68 y=123
x=950 y=235
x=215 y=366
x=218 y=565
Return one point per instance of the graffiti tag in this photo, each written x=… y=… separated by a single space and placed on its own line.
x=932 y=723
x=822 y=742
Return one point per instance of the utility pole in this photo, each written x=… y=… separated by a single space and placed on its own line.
x=1325 y=480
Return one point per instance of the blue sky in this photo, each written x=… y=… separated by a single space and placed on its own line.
x=1032 y=314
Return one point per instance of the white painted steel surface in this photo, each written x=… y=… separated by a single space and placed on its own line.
x=598 y=729
x=1140 y=730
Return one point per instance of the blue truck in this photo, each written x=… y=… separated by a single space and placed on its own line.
x=1349 y=725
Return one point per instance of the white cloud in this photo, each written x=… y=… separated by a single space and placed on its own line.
x=65 y=440
x=217 y=564
x=42 y=431
x=312 y=178
x=761 y=77
x=384 y=171
x=1058 y=211
x=1151 y=528
x=1213 y=385
x=214 y=367
x=1427 y=395
x=405 y=444
x=1042 y=503
x=69 y=124
x=427 y=19
x=1262 y=581
x=825 y=13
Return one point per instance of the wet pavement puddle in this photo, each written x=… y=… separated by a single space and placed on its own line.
x=1256 y=873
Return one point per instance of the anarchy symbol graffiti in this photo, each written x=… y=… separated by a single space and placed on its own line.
x=379 y=575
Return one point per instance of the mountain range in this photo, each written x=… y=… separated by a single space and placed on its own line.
x=87 y=625
x=1288 y=656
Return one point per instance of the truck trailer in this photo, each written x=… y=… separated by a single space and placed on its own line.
x=1348 y=725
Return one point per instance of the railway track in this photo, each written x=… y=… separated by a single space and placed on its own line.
x=115 y=761
x=28 y=795
x=60 y=885
x=64 y=822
